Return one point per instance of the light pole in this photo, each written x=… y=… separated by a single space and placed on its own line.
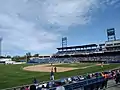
x=0 y=45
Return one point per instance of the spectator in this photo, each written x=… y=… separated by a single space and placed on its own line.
x=43 y=87
x=88 y=76
x=69 y=80
x=60 y=87
x=105 y=82
x=35 y=81
x=81 y=77
x=27 y=88
x=117 y=78
x=47 y=86
x=39 y=88
x=22 y=88
x=32 y=87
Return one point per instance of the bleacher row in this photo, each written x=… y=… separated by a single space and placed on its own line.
x=107 y=59
x=72 y=52
x=81 y=56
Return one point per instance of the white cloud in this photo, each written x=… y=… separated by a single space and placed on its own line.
x=113 y=3
x=25 y=24
x=23 y=35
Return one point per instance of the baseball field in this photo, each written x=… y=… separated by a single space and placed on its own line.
x=16 y=75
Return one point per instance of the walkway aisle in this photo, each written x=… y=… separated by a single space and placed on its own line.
x=112 y=85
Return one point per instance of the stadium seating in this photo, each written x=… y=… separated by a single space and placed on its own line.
x=83 y=55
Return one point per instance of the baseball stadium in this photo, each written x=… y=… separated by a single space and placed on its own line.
x=84 y=67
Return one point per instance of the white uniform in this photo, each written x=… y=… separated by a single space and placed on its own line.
x=60 y=88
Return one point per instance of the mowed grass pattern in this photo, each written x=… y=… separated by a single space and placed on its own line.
x=14 y=75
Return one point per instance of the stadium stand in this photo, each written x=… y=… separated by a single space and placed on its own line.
x=109 y=52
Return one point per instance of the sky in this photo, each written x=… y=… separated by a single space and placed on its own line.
x=37 y=26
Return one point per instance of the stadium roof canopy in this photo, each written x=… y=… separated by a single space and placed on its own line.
x=101 y=44
x=76 y=47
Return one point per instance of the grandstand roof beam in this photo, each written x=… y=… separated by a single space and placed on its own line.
x=76 y=47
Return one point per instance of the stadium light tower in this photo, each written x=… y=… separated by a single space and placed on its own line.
x=0 y=45
x=111 y=34
x=64 y=42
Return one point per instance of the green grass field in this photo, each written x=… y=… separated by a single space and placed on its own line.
x=14 y=75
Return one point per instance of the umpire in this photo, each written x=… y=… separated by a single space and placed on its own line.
x=55 y=69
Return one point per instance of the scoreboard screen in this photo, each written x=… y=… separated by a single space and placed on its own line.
x=111 y=32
